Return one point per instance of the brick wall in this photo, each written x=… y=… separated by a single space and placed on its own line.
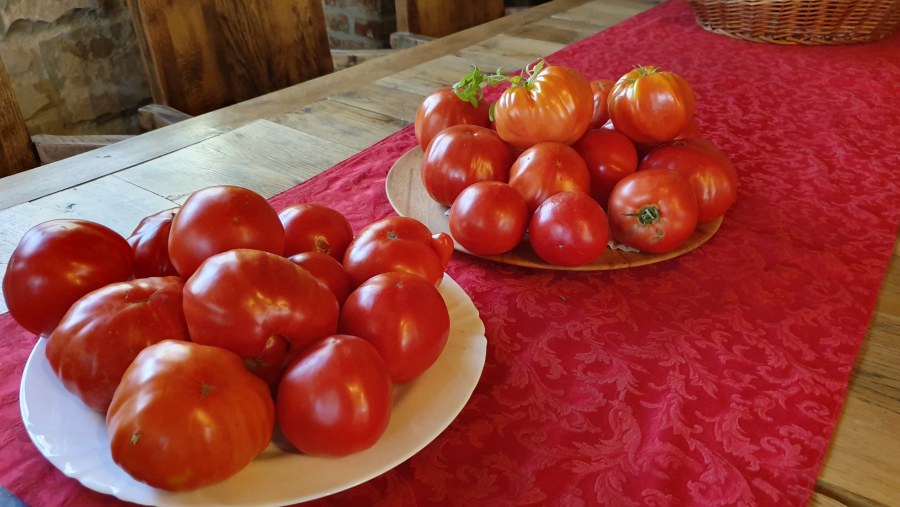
x=360 y=24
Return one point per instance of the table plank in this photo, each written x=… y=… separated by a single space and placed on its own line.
x=263 y=156
x=342 y=123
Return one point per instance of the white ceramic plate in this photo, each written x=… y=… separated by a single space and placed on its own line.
x=74 y=439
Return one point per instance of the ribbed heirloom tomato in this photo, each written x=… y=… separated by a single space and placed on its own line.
x=650 y=105
x=187 y=415
x=260 y=306
x=547 y=103
x=105 y=330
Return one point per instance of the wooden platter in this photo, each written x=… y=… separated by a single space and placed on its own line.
x=408 y=197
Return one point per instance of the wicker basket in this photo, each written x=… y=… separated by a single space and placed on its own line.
x=812 y=22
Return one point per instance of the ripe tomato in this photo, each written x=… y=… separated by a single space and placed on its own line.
x=707 y=169
x=150 y=242
x=546 y=169
x=651 y=106
x=104 y=331
x=220 y=218
x=57 y=262
x=187 y=415
x=311 y=227
x=610 y=156
x=327 y=270
x=601 y=88
x=444 y=108
x=404 y=317
x=569 y=229
x=461 y=155
x=488 y=218
x=653 y=210
x=260 y=306
x=550 y=103
x=335 y=399
x=398 y=244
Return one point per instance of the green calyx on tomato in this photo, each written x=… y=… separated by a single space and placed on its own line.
x=470 y=88
x=648 y=215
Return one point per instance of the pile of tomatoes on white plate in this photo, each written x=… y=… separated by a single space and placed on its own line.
x=571 y=163
x=216 y=322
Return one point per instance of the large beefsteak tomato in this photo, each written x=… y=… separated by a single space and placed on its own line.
x=104 y=331
x=187 y=415
x=259 y=305
x=444 y=108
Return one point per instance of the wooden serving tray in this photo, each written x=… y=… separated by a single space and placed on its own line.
x=408 y=197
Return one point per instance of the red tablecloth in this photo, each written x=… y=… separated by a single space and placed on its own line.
x=712 y=379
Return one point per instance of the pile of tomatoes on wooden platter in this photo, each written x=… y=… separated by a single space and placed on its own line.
x=565 y=173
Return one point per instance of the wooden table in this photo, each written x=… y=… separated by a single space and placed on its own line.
x=273 y=142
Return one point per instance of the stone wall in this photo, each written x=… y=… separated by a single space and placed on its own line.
x=75 y=65
x=360 y=24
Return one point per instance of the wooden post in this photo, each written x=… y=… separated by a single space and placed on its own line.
x=17 y=152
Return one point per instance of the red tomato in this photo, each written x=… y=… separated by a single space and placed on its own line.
x=706 y=168
x=461 y=155
x=653 y=210
x=327 y=270
x=546 y=169
x=187 y=416
x=550 y=103
x=397 y=244
x=404 y=317
x=150 y=242
x=610 y=156
x=259 y=305
x=569 y=229
x=104 y=331
x=335 y=399
x=601 y=88
x=311 y=227
x=57 y=262
x=651 y=106
x=488 y=218
x=443 y=108
x=220 y=218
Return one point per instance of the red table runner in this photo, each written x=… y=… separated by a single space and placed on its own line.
x=712 y=379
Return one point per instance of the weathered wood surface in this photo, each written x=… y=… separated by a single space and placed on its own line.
x=201 y=55
x=334 y=116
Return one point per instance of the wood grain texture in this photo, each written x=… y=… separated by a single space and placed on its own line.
x=437 y=18
x=201 y=55
x=17 y=153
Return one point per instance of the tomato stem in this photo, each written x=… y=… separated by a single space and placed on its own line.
x=205 y=389
x=647 y=215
